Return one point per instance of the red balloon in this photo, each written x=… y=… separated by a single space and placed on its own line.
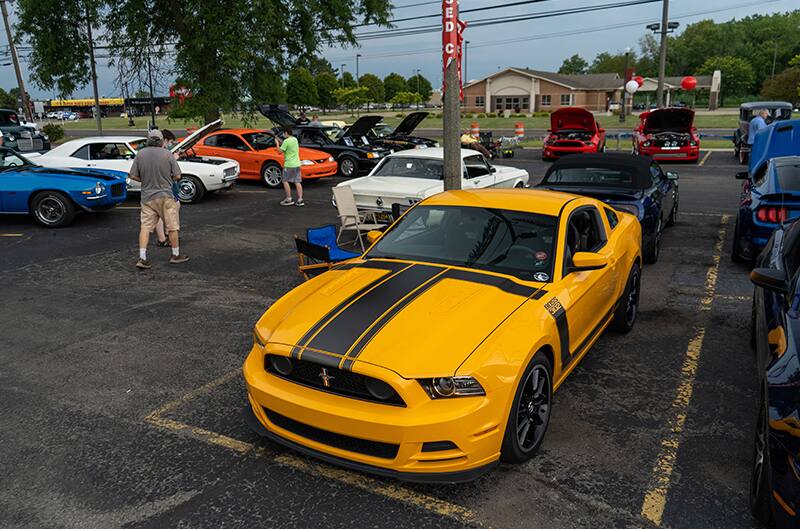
x=639 y=80
x=689 y=83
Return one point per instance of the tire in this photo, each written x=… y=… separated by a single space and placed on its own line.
x=519 y=185
x=628 y=309
x=760 y=493
x=190 y=189
x=53 y=209
x=736 y=250
x=673 y=215
x=653 y=248
x=348 y=167
x=272 y=174
x=532 y=405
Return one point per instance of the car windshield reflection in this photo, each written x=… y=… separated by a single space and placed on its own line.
x=427 y=168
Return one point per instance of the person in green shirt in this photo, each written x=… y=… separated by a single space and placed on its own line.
x=291 y=168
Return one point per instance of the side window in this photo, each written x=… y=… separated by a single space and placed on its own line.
x=584 y=232
x=656 y=174
x=476 y=166
x=613 y=220
x=760 y=176
x=211 y=141
x=82 y=153
x=229 y=141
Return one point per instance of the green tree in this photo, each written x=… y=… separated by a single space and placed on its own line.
x=348 y=81
x=649 y=51
x=326 y=86
x=737 y=74
x=406 y=98
x=606 y=62
x=301 y=90
x=418 y=83
x=140 y=93
x=393 y=84
x=195 y=35
x=7 y=100
x=317 y=66
x=574 y=65
x=374 y=86
x=351 y=97
x=783 y=87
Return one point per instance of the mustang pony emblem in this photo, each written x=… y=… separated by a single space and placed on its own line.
x=326 y=378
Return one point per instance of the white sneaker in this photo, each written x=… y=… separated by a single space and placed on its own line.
x=287 y=202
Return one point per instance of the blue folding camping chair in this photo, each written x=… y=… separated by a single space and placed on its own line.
x=319 y=251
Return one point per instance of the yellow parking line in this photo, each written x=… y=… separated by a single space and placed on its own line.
x=387 y=490
x=11 y=234
x=703 y=161
x=655 y=499
x=128 y=207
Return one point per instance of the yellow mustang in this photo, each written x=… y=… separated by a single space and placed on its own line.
x=435 y=355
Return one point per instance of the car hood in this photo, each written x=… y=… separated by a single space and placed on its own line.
x=409 y=123
x=107 y=175
x=572 y=119
x=671 y=119
x=190 y=140
x=18 y=130
x=278 y=115
x=395 y=186
x=401 y=316
x=362 y=125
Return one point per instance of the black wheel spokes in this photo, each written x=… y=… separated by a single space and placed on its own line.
x=533 y=409
x=51 y=210
x=633 y=299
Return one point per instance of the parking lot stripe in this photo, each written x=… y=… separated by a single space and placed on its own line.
x=10 y=235
x=200 y=433
x=703 y=161
x=171 y=405
x=128 y=207
x=655 y=499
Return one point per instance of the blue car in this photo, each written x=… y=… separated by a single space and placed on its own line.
x=771 y=191
x=54 y=196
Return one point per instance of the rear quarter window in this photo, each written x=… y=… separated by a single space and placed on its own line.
x=613 y=220
x=789 y=177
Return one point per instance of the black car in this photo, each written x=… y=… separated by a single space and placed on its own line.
x=778 y=111
x=400 y=137
x=352 y=148
x=775 y=480
x=19 y=137
x=631 y=183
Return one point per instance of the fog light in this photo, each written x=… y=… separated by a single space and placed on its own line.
x=281 y=364
x=379 y=389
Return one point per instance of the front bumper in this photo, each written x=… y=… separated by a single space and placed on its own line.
x=474 y=424
x=554 y=151
x=318 y=170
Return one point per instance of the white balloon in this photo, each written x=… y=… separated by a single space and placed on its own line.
x=631 y=86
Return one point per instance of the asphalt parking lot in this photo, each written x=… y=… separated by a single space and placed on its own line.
x=121 y=393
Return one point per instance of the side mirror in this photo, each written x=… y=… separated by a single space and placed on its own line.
x=584 y=261
x=373 y=235
x=770 y=279
x=742 y=175
x=672 y=175
x=493 y=169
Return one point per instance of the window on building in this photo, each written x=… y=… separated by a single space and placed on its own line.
x=479 y=101
x=547 y=100
x=525 y=103
x=498 y=105
x=566 y=100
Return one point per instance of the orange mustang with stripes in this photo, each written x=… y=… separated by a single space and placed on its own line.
x=435 y=355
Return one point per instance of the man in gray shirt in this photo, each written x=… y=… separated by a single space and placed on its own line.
x=155 y=167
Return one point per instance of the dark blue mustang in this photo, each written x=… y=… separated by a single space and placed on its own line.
x=54 y=196
x=771 y=189
x=775 y=483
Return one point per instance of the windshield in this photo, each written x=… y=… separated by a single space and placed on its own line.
x=260 y=140
x=9 y=158
x=427 y=168
x=138 y=145
x=509 y=242
x=8 y=119
x=591 y=176
x=789 y=177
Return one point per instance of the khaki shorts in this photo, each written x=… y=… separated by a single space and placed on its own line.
x=165 y=208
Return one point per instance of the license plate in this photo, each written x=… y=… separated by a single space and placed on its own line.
x=384 y=217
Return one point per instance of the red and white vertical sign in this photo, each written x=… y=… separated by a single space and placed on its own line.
x=452 y=37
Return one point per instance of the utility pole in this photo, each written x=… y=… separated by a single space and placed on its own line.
x=662 y=58
x=11 y=46
x=624 y=90
x=150 y=82
x=418 y=94
x=342 y=75
x=97 y=118
x=358 y=81
x=466 y=77
x=451 y=111
x=774 y=59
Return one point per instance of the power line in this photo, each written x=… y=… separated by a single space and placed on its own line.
x=461 y=11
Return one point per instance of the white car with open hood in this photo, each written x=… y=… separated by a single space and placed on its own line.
x=406 y=177
x=199 y=174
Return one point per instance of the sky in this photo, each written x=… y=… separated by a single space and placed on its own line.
x=539 y=44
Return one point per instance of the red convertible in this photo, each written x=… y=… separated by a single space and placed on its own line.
x=573 y=130
x=667 y=134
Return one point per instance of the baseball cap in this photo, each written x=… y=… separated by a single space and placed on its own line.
x=155 y=134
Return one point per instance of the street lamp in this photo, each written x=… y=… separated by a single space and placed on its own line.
x=624 y=80
x=663 y=28
x=343 y=75
x=358 y=81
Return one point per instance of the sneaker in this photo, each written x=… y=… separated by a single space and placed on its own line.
x=178 y=259
x=300 y=203
x=287 y=202
x=163 y=244
x=143 y=264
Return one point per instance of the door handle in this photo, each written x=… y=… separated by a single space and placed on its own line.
x=91 y=165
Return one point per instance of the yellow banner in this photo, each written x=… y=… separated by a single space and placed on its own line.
x=108 y=101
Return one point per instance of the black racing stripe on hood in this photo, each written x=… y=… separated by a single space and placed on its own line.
x=506 y=285
x=339 y=335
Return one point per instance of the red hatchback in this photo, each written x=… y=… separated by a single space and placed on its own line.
x=667 y=134
x=573 y=130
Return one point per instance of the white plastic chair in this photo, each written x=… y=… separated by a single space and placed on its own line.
x=350 y=218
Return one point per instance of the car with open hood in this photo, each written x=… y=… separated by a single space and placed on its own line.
x=667 y=134
x=435 y=354
x=199 y=174
x=20 y=136
x=350 y=147
x=573 y=130
x=778 y=111
x=399 y=137
x=259 y=158
x=629 y=183
x=406 y=177
x=54 y=196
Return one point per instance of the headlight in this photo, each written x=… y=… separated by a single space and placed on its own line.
x=447 y=387
x=693 y=143
x=588 y=143
x=373 y=155
x=46 y=138
x=11 y=137
x=436 y=145
x=646 y=144
x=99 y=188
x=306 y=162
x=330 y=158
x=630 y=208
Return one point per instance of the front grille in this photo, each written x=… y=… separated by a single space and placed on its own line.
x=117 y=189
x=230 y=171
x=568 y=143
x=336 y=440
x=29 y=144
x=342 y=382
x=673 y=143
x=323 y=160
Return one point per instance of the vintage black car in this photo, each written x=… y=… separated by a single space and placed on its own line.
x=775 y=481
x=778 y=110
x=400 y=137
x=351 y=147
x=631 y=183
x=20 y=137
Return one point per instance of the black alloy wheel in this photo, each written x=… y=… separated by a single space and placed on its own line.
x=348 y=166
x=761 y=478
x=628 y=309
x=53 y=209
x=190 y=189
x=736 y=250
x=673 y=215
x=530 y=412
x=653 y=249
x=272 y=174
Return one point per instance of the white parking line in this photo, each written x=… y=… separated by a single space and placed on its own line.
x=703 y=161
